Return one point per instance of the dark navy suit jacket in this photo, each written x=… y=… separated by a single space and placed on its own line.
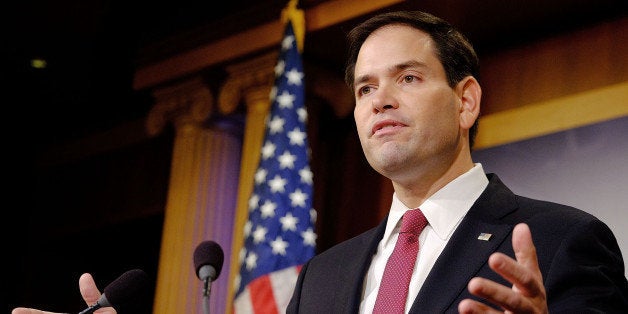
x=581 y=264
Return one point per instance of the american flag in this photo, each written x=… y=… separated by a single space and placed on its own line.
x=279 y=233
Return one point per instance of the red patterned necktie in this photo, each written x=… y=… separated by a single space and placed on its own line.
x=393 y=290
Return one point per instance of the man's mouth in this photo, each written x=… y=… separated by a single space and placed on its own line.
x=386 y=126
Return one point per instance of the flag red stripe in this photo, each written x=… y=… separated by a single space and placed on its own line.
x=262 y=295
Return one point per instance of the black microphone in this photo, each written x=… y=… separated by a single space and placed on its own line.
x=208 y=259
x=125 y=287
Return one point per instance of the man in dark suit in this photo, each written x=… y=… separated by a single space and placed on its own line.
x=417 y=103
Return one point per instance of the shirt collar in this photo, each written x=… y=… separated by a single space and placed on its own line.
x=444 y=209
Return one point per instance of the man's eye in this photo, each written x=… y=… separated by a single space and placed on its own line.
x=409 y=78
x=365 y=90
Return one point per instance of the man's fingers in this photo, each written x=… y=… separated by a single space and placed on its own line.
x=524 y=248
x=469 y=306
x=24 y=310
x=88 y=289
x=498 y=294
x=91 y=294
x=524 y=273
x=524 y=280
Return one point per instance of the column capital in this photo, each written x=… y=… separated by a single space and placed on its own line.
x=186 y=104
x=250 y=81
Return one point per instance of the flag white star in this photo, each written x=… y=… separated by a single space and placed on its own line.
x=247 y=228
x=259 y=235
x=289 y=222
x=268 y=150
x=313 y=215
x=276 y=125
x=306 y=175
x=277 y=184
x=242 y=254
x=251 y=261
x=286 y=160
x=268 y=209
x=285 y=100
x=286 y=43
x=309 y=237
x=294 y=77
x=280 y=67
x=260 y=174
x=302 y=113
x=279 y=246
x=253 y=202
x=297 y=198
x=297 y=137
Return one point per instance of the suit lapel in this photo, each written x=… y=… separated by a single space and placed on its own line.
x=360 y=261
x=465 y=254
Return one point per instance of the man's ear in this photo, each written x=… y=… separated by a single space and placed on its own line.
x=470 y=94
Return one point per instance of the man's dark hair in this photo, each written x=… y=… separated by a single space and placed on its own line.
x=453 y=49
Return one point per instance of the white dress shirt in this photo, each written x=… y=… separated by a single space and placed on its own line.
x=444 y=210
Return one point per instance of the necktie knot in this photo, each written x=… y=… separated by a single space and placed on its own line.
x=413 y=221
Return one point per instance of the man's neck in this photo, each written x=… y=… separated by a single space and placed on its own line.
x=414 y=193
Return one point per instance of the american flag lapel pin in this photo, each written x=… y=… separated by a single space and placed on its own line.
x=484 y=236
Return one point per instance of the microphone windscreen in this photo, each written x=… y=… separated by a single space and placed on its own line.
x=208 y=253
x=125 y=287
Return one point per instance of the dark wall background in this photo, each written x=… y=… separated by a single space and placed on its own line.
x=101 y=214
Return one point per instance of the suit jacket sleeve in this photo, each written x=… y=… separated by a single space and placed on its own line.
x=587 y=272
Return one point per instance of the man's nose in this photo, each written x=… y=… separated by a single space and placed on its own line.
x=385 y=99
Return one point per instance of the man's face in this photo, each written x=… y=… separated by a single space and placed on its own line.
x=406 y=114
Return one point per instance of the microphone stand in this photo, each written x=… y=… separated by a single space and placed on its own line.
x=91 y=309
x=206 y=289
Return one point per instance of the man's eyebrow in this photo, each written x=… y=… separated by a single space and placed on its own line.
x=361 y=79
x=408 y=64
x=397 y=67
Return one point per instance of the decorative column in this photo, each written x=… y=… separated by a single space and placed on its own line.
x=201 y=195
x=249 y=82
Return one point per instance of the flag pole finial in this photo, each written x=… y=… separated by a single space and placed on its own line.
x=290 y=13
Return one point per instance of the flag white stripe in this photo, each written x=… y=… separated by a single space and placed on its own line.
x=283 y=282
x=242 y=303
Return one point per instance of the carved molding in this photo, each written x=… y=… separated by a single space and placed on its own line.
x=248 y=81
x=186 y=104
x=251 y=82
